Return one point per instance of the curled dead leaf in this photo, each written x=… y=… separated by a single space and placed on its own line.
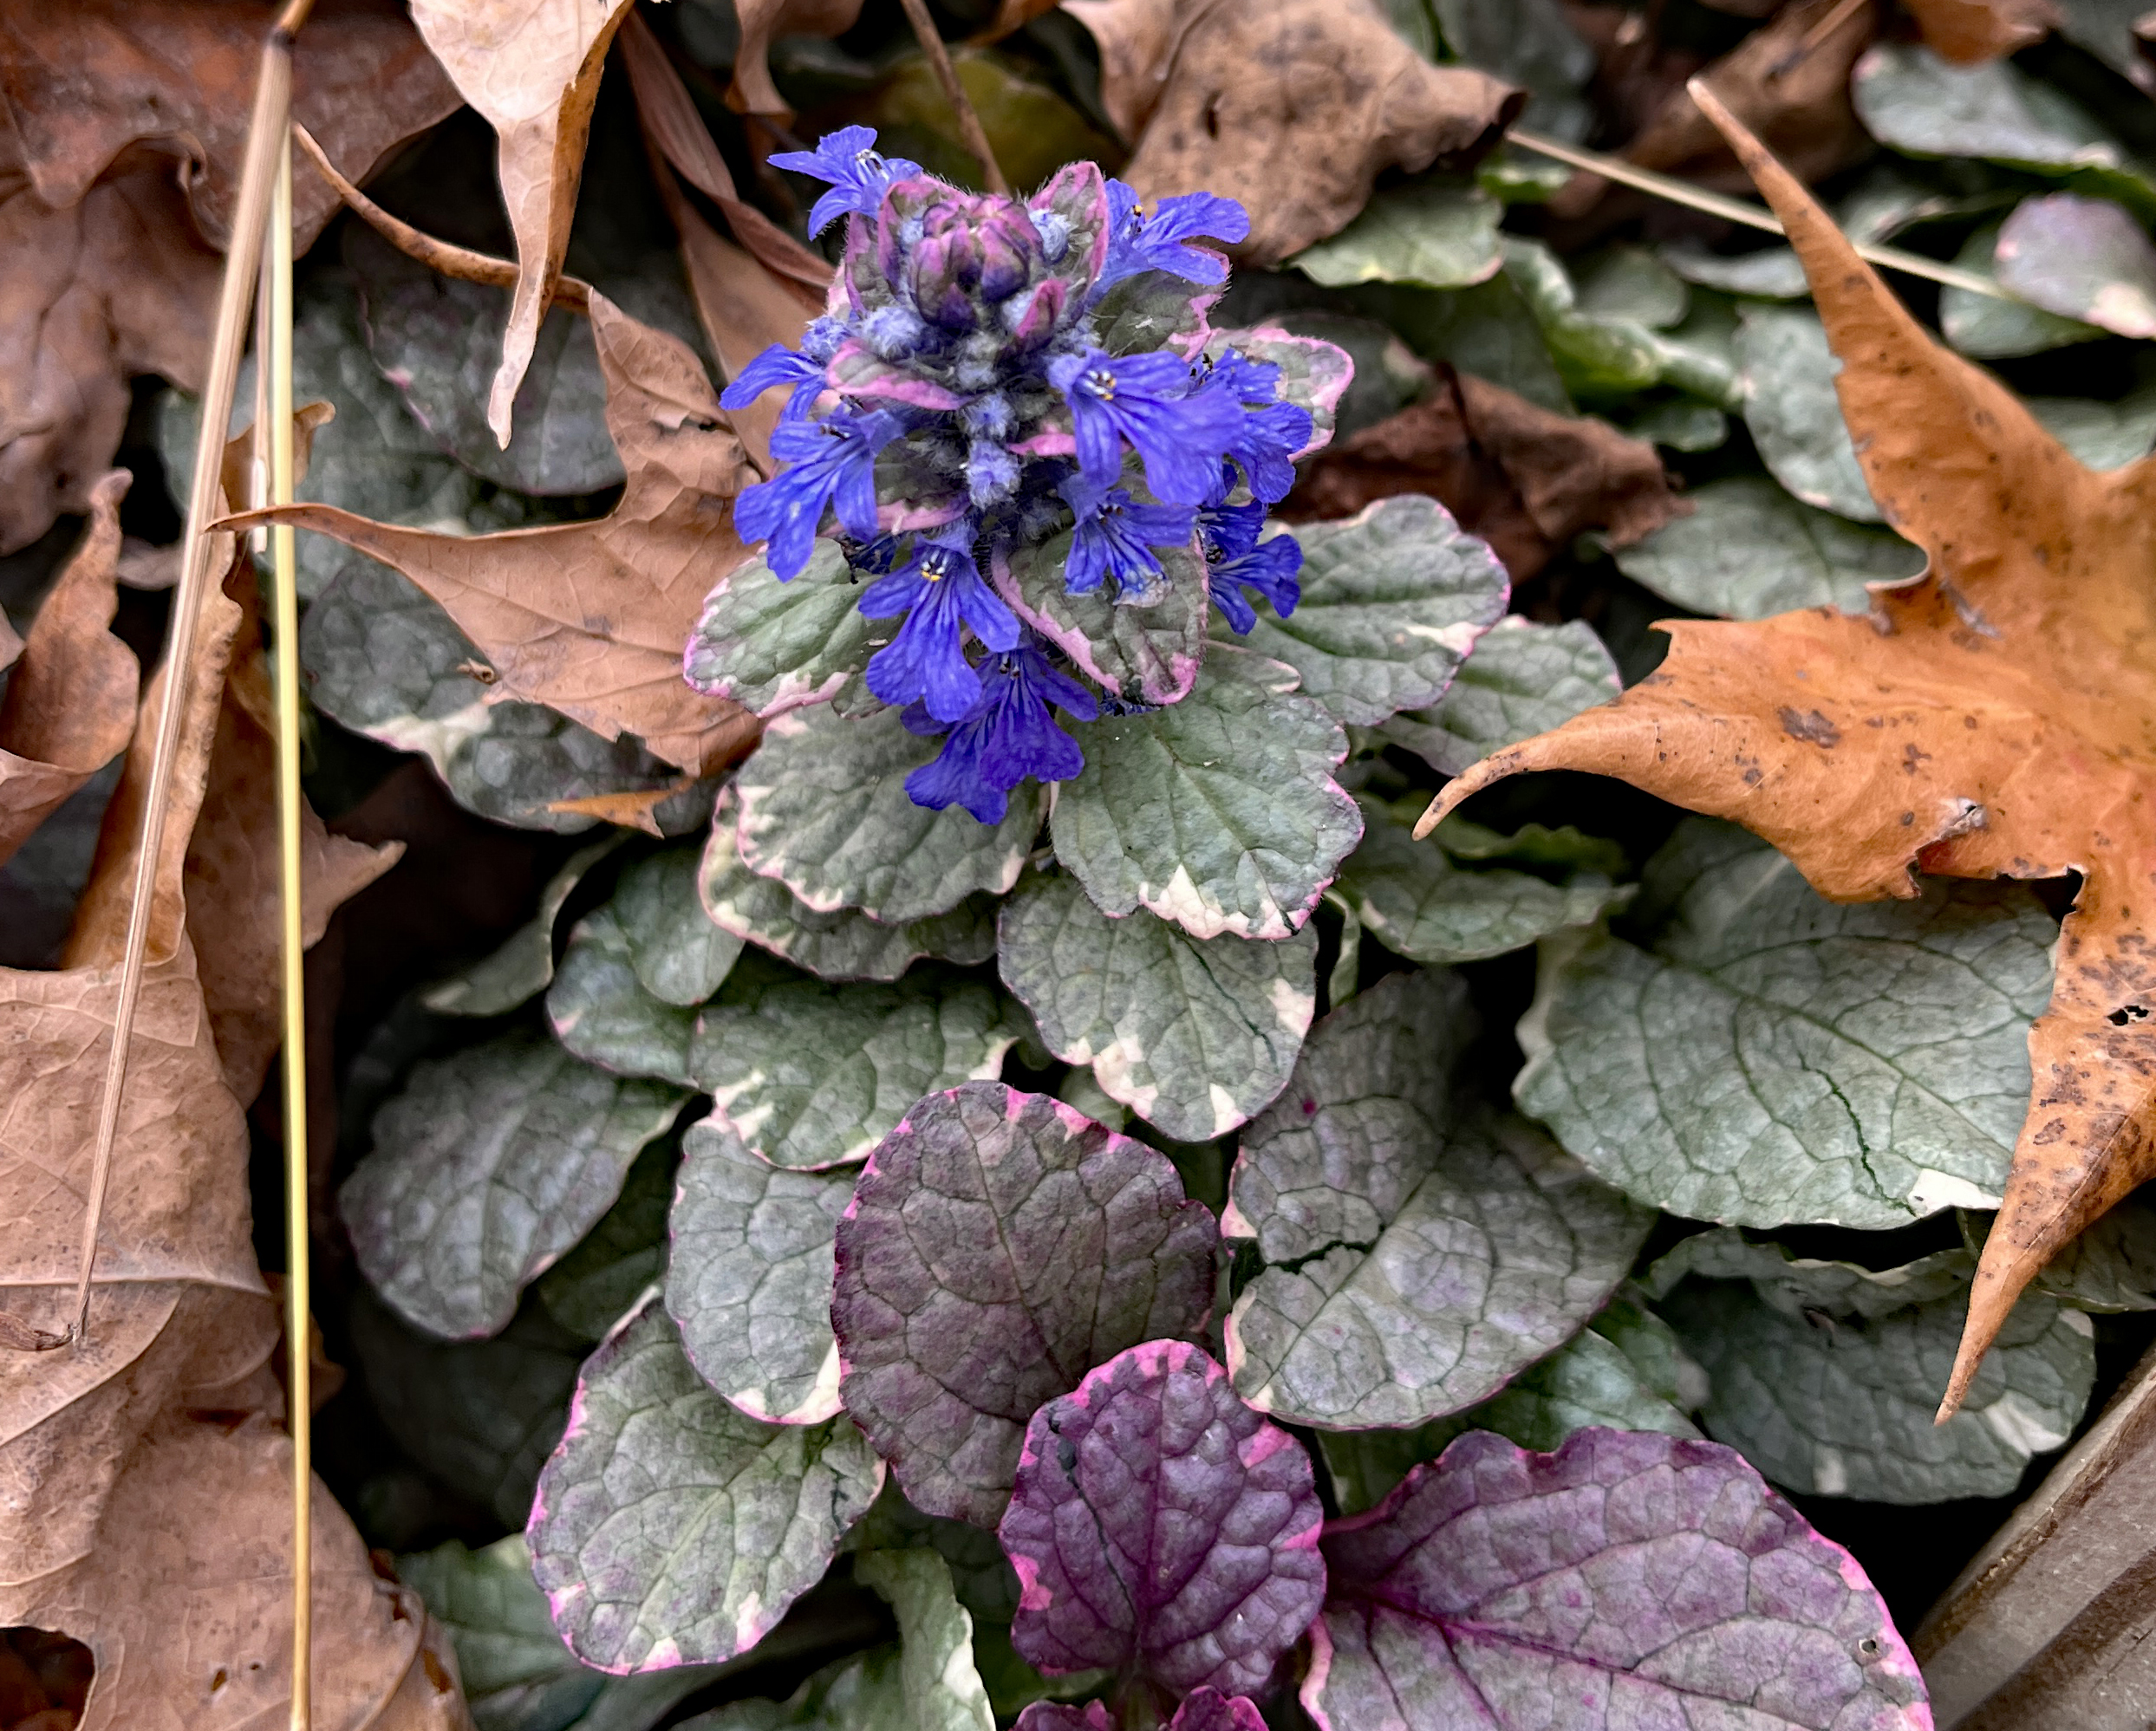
x=532 y=68
x=87 y=80
x=1788 y=81
x=69 y=707
x=116 y=283
x=763 y=22
x=1995 y=717
x=1293 y=107
x=589 y=618
x=1526 y=479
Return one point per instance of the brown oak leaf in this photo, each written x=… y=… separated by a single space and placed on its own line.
x=532 y=68
x=1524 y=479
x=1788 y=81
x=86 y=80
x=1995 y=717
x=589 y=618
x=764 y=20
x=1293 y=106
x=69 y=707
x=147 y=1472
x=1970 y=31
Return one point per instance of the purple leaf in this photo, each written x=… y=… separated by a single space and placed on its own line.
x=1203 y=1709
x=1631 y=1580
x=1161 y=1527
x=998 y=1247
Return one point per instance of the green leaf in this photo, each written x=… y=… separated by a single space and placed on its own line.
x=2105 y=27
x=1220 y=813
x=1834 y=1404
x=593 y=1286
x=1522 y=679
x=1748 y=550
x=516 y=1675
x=1565 y=847
x=1610 y=354
x=1420 y=1250
x=1415 y=901
x=487 y=1168
x=812 y=1076
x=679 y=955
x=385 y=661
x=750 y=1277
x=1794 y=415
x=520 y=969
x=2110 y=1268
x=2083 y=258
x=1147 y=654
x=981 y=1575
x=942 y=1689
x=1913 y=102
x=1632 y=283
x=671 y=1528
x=1193 y=1035
x=1436 y=232
x=824 y=811
x=1488 y=331
x=481 y=1417
x=839 y=945
x=2101 y=435
x=864 y=1693
x=1528 y=43
x=1797 y=1285
x=440 y=340
x=771 y=645
x=1772 y=1057
x=601 y=1012
x=1772 y=273
x=1994 y=328
x=1680 y=424
x=1588 y=1381
x=375 y=457
x=1393 y=600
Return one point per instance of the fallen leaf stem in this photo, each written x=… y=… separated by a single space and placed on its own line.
x=969 y=125
x=458 y=262
x=1736 y=211
x=273 y=96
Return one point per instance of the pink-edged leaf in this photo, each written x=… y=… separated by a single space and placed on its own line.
x=1154 y=310
x=1078 y=195
x=673 y=1529
x=856 y=370
x=1631 y=1580
x=1163 y=1529
x=1146 y=655
x=998 y=1247
x=1314 y=373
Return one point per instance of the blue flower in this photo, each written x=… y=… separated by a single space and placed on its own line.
x=1116 y=536
x=943 y=588
x=777 y=365
x=859 y=176
x=827 y=462
x=1181 y=432
x=1266 y=446
x=1139 y=242
x=1228 y=531
x=1007 y=737
x=1269 y=569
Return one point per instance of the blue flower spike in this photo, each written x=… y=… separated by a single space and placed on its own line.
x=971 y=395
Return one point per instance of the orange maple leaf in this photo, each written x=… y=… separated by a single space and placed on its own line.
x=1994 y=717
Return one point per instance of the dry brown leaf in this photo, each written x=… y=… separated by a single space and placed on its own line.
x=1968 y=32
x=763 y=22
x=1787 y=82
x=69 y=707
x=1012 y=15
x=1526 y=479
x=1293 y=106
x=94 y=292
x=1995 y=717
x=750 y=295
x=147 y=1510
x=589 y=618
x=532 y=68
x=87 y=79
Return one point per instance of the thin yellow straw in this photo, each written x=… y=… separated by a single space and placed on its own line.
x=299 y=1310
x=1751 y=216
